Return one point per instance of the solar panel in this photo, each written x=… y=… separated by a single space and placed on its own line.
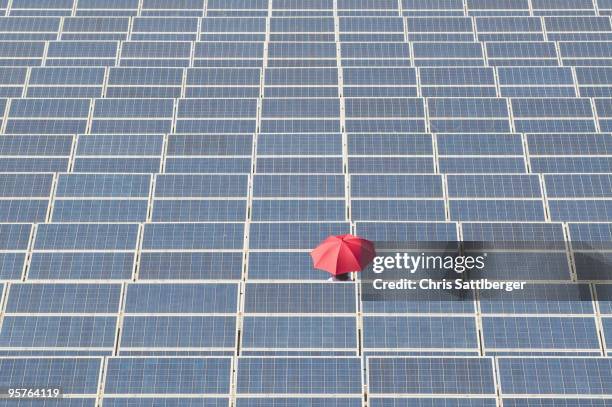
x=12 y=265
x=193 y=236
x=23 y=211
x=105 y=211
x=64 y=298
x=81 y=266
x=553 y=299
x=561 y=376
x=402 y=402
x=540 y=333
x=198 y=211
x=166 y=402
x=299 y=376
x=103 y=185
x=161 y=332
x=133 y=145
x=289 y=402
x=440 y=333
x=74 y=376
x=468 y=376
x=279 y=333
x=154 y=376
x=302 y=298
x=424 y=210
x=298 y=210
x=292 y=235
x=86 y=236
x=182 y=298
x=190 y=266
x=555 y=401
x=53 y=332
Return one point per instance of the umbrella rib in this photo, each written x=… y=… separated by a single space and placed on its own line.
x=354 y=258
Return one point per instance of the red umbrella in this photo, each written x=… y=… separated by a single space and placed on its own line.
x=343 y=254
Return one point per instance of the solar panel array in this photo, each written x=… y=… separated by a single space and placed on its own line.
x=165 y=167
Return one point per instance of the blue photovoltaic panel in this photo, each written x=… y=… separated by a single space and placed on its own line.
x=532 y=232
x=292 y=402
x=540 y=333
x=66 y=76
x=11 y=265
x=231 y=76
x=74 y=376
x=23 y=210
x=190 y=266
x=493 y=186
x=178 y=332
x=86 y=236
x=14 y=236
x=72 y=402
x=542 y=299
x=390 y=144
x=81 y=266
x=562 y=376
x=386 y=332
x=424 y=301
x=113 y=145
x=165 y=402
x=193 y=236
x=483 y=211
x=58 y=332
x=168 y=376
x=440 y=402
x=300 y=210
x=210 y=145
x=213 y=108
x=103 y=185
x=99 y=211
x=272 y=265
x=300 y=298
x=407 y=232
x=331 y=186
x=323 y=333
x=604 y=297
x=182 y=298
x=578 y=185
x=306 y=376
x=569 y=144
x=292 y=235
x=413 y=186
x=422 y=210
x=208 y=165
x=470 y=376
x=589 y=402
x=201 y=186
x=467 y=108
x=35 y=145
x=299 y=144
x=25 y=185
x=64 y=298
x=116 y=165
x=49 y=108
x=479 y=144
x=198 y=211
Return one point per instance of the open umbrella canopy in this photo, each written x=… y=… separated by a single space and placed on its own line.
x=343 y=254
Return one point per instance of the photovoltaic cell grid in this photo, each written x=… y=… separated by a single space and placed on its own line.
x=165 y=167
